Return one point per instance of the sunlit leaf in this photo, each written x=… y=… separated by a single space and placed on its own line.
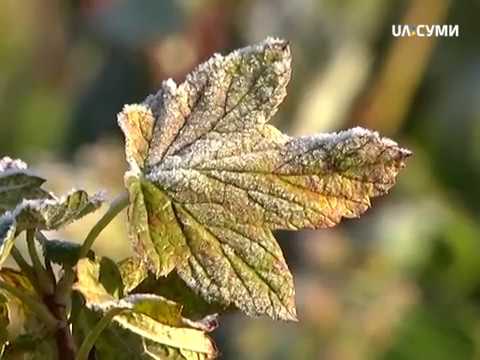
x=152 y=317
x=17 y=183
x=209 y=179
x=28 y=338
x=20 y=317
x=118 y=343
x=51 y=214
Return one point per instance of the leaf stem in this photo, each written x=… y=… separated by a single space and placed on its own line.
x=93 y=335
x=116 y=207
x=37 y=307
x=48 y=264
x=21 y=262
x=64 y=287
x=25 y=267
x=44 y=279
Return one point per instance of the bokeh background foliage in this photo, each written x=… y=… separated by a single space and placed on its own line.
x=401 y=283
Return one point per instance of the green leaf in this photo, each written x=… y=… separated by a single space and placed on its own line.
x=8 y=227
x=17 y=183
x=51 y=214
x=31 y=347
x=209 y=179
x=110 y=277
x=149 y=316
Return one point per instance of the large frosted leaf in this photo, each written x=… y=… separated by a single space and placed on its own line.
x=152 y=317
x=17 y=183
x=51 y=214
x=209 y=179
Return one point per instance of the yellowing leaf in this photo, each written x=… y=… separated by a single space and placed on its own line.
x=27 y=335
x=209 y=179
x=4 y=322
x=8 y=226
x=150 y=316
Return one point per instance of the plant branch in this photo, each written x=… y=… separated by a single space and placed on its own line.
x=93 y=335
x=115 y=207
x=37 y=307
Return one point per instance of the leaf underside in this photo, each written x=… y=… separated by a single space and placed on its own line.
x=209 y=179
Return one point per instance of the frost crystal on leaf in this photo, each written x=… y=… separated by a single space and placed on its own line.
x=53 y=213
x=17 y=183
x=209 y=179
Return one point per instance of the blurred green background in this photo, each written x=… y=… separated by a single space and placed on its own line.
x=403 y=282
